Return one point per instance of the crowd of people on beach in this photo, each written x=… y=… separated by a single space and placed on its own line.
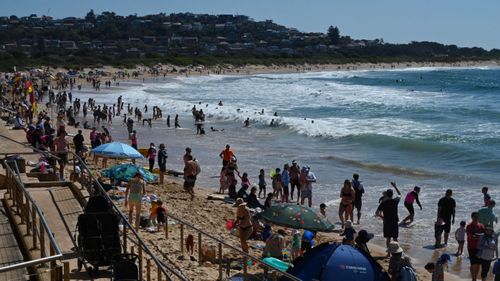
x=290 y=184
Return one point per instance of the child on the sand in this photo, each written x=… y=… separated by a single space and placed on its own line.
x=277 y=188
x=349 y=233
x=295 y=251
x=262 y=183
x=460 y=236
x=438 y=231
x=222 y=180
x=269 y=200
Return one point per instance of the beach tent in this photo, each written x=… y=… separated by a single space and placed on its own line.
x=337 y=262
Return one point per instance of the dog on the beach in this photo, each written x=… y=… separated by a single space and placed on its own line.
x=190 y=244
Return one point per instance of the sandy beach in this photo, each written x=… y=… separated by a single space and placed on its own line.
x=211 y=215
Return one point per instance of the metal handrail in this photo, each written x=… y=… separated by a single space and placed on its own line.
x=288 y=275
x=3 y=108
x=125 y=221
x=160 y=265
x=58 y=253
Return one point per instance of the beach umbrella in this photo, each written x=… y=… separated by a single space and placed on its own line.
x=117 y=150
x=336 y=262
x=125 y=172
x=296 y=216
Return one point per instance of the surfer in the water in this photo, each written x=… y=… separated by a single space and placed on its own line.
x=411 y=197
x=247 y=122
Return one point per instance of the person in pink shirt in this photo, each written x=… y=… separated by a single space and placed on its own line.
x=133 y=139
x=61 y=147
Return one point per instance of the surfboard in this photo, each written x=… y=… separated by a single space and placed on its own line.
x=217 y=196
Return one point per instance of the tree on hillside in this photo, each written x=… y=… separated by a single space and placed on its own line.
x=333 y=34
x=90 y=17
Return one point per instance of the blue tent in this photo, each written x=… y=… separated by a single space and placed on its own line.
x=337 y=262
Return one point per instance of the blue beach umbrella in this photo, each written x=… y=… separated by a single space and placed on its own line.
x=337 y=262
x=117 y=150
x=125 y=172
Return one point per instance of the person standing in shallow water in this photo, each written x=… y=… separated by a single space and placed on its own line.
x=162 y=161
x=411 y=197
x=446 y=211
x=358 y=201
x=388 y=211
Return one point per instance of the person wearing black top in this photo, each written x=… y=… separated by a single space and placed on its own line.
x=446 y=211
x=162 y=161
x=358 y=188
x=388 y=211
x=252 y=201
x=78 y=140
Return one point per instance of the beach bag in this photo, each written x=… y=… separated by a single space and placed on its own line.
x=198 y=168
x=408 y=274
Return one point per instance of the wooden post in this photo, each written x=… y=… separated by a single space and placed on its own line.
x=199 y=248
x=33 y=218
x=182 y=239
x=42 y=238
x=53 y=265
x=66 y=271
x=245 y=268
x=124 y=238
x=148 y=270
x=220 y=261
x=166 y=227
x=28 y=221
x=158 y=271
x=140 y=260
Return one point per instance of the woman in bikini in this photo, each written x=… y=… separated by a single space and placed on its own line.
x=243 y=222
x=347 y=196
x=133 y=198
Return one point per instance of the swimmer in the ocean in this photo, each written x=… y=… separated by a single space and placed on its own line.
x=247 y=122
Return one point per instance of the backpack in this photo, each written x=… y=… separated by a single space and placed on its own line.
x=408 y=274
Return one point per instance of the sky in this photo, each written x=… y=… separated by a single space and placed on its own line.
x=465 y=23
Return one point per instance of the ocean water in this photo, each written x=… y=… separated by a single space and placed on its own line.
x=437 y=128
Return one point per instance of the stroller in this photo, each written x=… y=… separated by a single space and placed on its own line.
x=98 y=237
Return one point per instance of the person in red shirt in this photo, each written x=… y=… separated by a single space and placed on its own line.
x=226 y=155
x=474 y=231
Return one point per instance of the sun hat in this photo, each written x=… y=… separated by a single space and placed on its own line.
x=394 y=248
x=239 y=202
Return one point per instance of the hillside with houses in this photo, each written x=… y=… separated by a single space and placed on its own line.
x=203 y=38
